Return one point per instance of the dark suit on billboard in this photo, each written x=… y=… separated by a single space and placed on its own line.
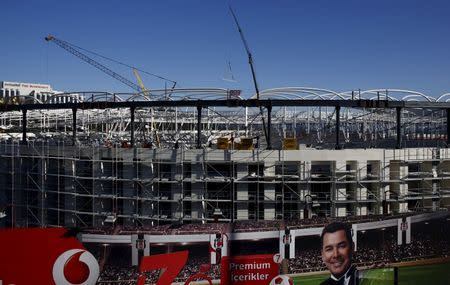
x=349 y=278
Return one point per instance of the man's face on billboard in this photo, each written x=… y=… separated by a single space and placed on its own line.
x=337 y=252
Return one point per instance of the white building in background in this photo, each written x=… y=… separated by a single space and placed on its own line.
x=41 y=92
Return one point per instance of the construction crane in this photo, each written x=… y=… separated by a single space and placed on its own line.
x=144 y=90
x=147 y=94
x=140 y=87
x=77 y=51
x=252 y=68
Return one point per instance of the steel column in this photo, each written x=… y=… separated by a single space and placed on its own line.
x=132 y=109
x=199 y=126
x=448 y=127
x=338 y=126
x=399 y=127
x=269 y=126
x=24 y=126
x=74 y=126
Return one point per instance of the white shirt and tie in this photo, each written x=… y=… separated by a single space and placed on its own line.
x=344 y=279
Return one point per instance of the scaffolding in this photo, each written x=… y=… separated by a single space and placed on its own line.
x=92 y=187
x=98 y=163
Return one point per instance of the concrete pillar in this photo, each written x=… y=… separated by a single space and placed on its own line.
x=140 y=246
x=355 y=236
x=269 y=192
x=127 y=170
x=286 y=244
x=198 y=208
x=340 y=194
x=241 y=192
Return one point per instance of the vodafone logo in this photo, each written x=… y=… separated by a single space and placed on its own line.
x=75 y=267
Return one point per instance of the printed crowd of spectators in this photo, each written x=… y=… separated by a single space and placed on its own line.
x=128 y=275
x=430 y=242
x=392 y=253
x=374 y=248
x=115 y=275
x=193 y=267
x=238 y=226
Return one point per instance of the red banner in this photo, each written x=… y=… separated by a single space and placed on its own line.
x=248 y=270
x=45 y=256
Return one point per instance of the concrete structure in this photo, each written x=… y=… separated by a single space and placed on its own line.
x=97 y=186
x=15 y=92
x=125 y=159
x=286 y=249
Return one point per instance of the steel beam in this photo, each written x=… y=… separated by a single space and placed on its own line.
x=231 y=103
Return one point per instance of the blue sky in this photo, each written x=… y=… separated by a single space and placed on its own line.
x=339 y=45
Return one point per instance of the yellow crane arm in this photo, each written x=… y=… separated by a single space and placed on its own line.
x=146 y=94
x=141 y=83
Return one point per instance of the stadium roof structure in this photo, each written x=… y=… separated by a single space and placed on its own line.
x=289 y=111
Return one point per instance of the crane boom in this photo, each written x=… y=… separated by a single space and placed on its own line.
x=249 y=54
x=255 y=83
x=144 y=90
x=70 y=48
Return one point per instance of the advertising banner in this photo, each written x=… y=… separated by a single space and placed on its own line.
x=45 y=256
x=248 y=270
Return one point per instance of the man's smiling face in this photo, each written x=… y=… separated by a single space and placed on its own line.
x=337 y=252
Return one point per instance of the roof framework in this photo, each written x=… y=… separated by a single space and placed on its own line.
x=198 y=116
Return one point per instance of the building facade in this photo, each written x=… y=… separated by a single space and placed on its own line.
x=90 y=186
x=14 y=92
